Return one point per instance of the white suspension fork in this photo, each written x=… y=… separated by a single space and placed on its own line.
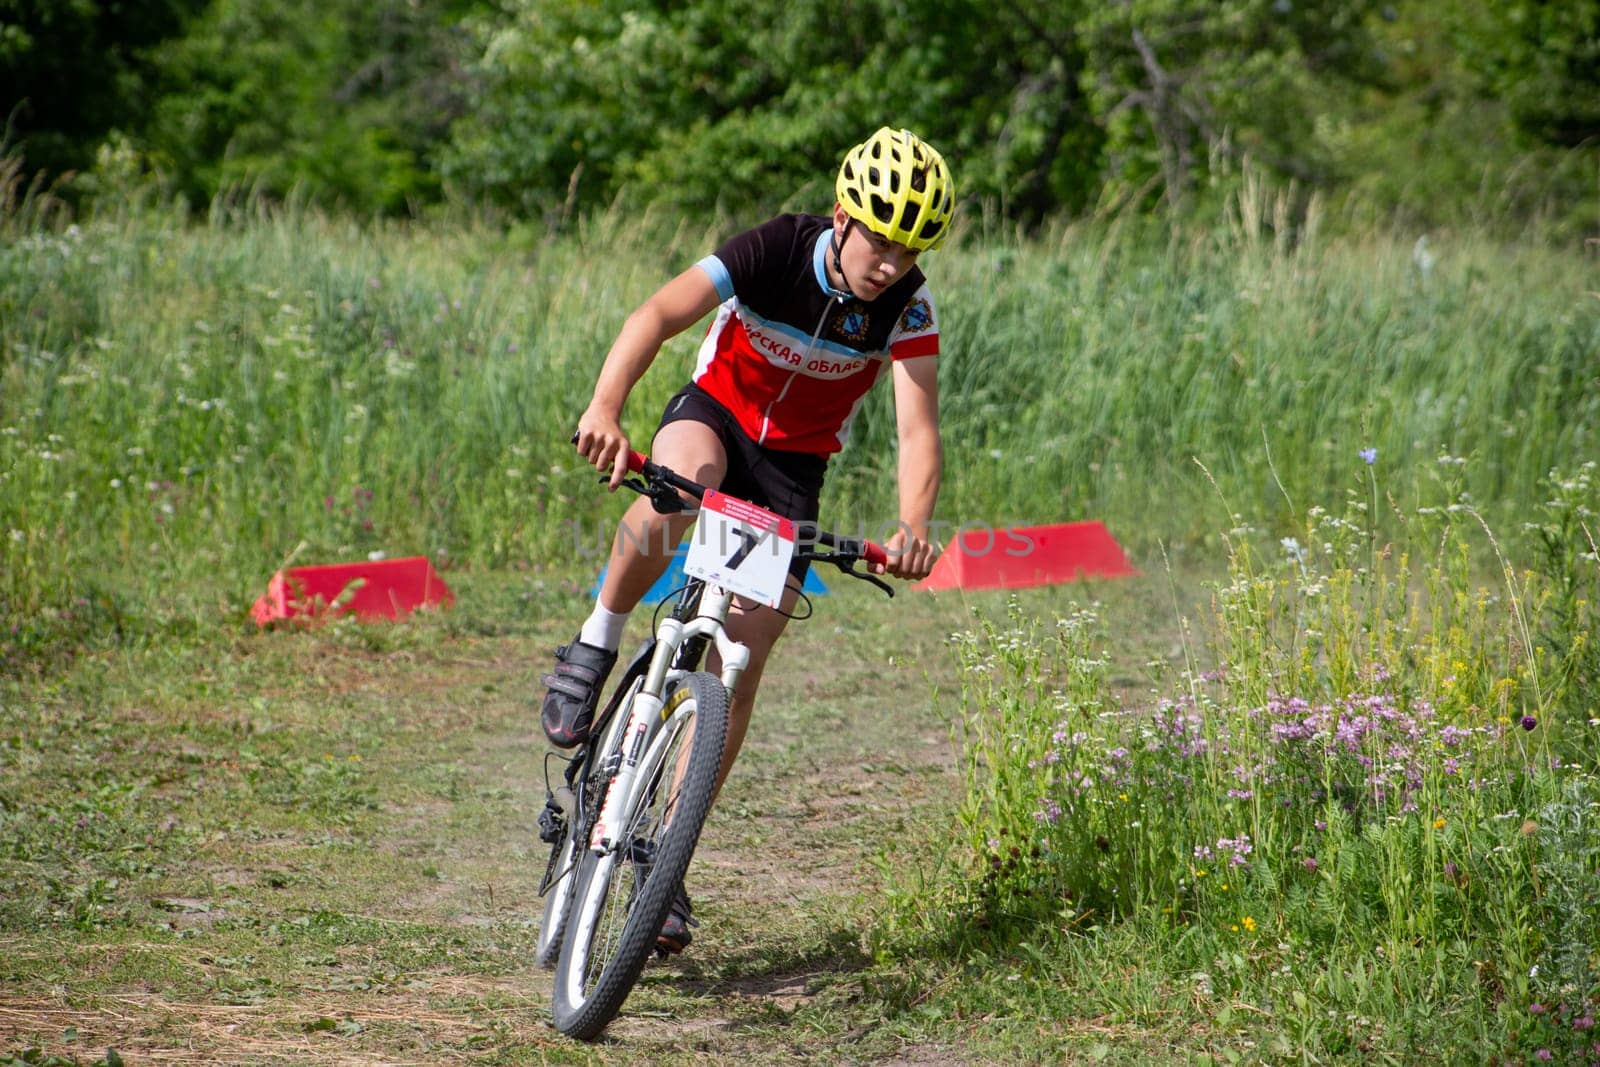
x=647 y=712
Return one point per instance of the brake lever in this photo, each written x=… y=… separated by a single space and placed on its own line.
x=867 y=576
x=663 y=498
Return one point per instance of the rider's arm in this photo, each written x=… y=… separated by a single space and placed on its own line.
x=916 y=408
x=672 y=309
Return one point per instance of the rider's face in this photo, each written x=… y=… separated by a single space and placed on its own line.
x=871 y=263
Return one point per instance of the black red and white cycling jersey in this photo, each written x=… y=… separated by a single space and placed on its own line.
x=785 y=355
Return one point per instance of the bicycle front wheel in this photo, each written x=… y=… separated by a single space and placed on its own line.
x=621 y=898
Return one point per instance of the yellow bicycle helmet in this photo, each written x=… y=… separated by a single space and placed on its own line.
x=897 y=186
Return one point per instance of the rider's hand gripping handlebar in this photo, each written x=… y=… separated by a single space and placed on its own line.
x=667 y=491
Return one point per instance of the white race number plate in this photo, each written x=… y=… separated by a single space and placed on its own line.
x=742 y=548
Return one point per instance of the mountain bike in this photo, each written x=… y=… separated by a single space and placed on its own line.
x=622 y=818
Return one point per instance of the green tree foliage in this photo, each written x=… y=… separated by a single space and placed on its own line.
x=1425 y=110
x=735 y=100
x=72 y=70
x=1040 y=103
x=346 y=98
x=1177 y=83
x=1542 y=58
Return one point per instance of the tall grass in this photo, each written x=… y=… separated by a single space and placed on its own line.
x=186 y=401
x=1363 y=823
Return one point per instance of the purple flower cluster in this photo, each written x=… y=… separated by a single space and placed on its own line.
x=1369 y=751
x=1236 y=849
x=1379 y=746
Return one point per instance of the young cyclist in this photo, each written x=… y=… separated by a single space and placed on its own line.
x=809 y=311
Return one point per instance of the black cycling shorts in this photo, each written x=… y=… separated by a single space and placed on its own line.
x=788 y=483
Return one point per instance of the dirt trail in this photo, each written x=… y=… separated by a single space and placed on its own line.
x=404 y=935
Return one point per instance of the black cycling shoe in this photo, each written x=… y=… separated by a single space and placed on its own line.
x=574 y=691
x=675 y=934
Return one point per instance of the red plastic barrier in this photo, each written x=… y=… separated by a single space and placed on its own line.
x=1024 y=556
x=382 y=589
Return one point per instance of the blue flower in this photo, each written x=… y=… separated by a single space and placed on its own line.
x=1369 y=456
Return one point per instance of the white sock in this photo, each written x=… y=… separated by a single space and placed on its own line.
x=603 y=628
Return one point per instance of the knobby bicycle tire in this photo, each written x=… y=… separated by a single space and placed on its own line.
x=596 y=970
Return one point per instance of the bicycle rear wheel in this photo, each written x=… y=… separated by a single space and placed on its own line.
x=621 y=898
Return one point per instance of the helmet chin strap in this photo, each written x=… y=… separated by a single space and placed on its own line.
x=837 y=246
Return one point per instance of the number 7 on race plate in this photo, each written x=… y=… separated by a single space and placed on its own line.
x=741 y=547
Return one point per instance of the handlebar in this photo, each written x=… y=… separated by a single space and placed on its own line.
x=662 y=485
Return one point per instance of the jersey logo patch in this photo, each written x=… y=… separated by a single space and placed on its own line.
x=918 y=316
x=851 y=325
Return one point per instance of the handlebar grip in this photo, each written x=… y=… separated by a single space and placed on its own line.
x=636 y=461
x=874 y=554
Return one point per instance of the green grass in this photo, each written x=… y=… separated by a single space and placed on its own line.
x=187 y=403
x=1357 y=824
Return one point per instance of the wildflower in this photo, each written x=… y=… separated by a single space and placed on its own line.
x=1544 y=1054
x=1369 y=456
x=1584 y=1023
x=1249 y=924
x=1536 y=1008
x=1439 y=823
x=1310 y=864
x=1240 y=849
x=1529 y=722
x=1529 y=828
